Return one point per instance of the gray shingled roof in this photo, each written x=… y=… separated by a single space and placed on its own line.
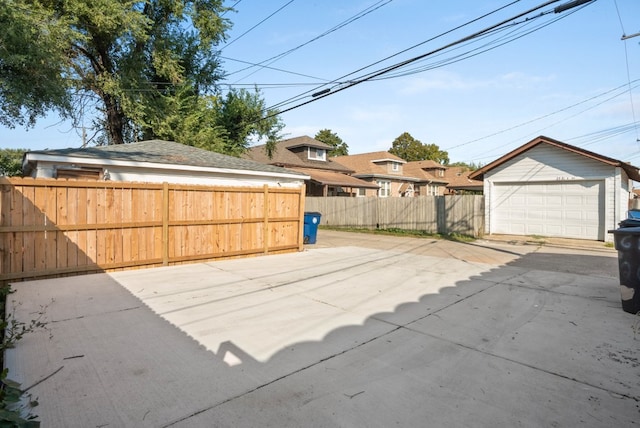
x=167 y=152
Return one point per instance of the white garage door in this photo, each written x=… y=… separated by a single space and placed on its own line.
x=567 y=209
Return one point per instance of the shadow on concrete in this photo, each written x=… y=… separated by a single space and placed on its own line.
x=532 y=342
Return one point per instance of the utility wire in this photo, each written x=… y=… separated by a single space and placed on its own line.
x=273 y=68
x=371 y=76
x=626 y=58
x=520 y=125
x=255 y=26
x=539 y=131
x=340 y=80
x=344 y=23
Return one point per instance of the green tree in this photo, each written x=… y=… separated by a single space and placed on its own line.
x=410 y=149
x=470 y=166
x=11 y=162
x=340 y=148
x=31 y=63
x=150 y=67
x=244 y=116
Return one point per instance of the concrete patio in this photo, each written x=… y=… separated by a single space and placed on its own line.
x=356 y=331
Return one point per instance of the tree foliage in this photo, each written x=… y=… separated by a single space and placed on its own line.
x=410 y=149
x=340 y=148
x=31 y=63
x=11 y=162
x=470 y=166
x=149 y=67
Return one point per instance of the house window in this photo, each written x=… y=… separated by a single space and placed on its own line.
x=441 y=173
x=78 y=174
x=395 y=166
x=362 y=192
x=385 y=188
x=317 y=154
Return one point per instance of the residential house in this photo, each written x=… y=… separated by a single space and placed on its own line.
x=326 y=177
x=431 y=175
x=441 y=179
x=458 y=181
x=550 y=188
x=383 y=169
x=156 y=161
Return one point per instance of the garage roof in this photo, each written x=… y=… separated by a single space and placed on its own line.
x=158 y=152
x=632 y=171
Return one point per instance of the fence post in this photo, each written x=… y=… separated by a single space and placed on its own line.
x=441 y=214
x=165 y=224
x=265 y=227
x=301 y=218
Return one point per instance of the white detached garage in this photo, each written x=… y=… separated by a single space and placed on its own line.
x=550 y=188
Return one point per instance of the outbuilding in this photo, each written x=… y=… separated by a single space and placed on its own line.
x=550 y=188
x=156 y=161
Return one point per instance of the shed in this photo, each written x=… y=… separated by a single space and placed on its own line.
x=156 y=161
x=550 y=188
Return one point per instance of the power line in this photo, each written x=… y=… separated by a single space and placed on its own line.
x=273 y=68
x=340 y=80
x=520 y=125
x=343 y=24
x=397 y=66
x=626 y=58
x=255 y=26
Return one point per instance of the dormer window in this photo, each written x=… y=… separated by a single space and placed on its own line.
x=317 y=154
x=395 y=166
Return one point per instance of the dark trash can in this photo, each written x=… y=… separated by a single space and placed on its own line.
x=627 y=242
x=310 y=230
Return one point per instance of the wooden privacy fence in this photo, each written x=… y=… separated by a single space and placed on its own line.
x=59 y=227
x=462 y=214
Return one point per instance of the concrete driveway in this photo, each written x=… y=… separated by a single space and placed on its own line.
x=356 y=331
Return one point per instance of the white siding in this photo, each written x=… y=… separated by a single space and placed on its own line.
x=160 y=176
x=156 y=175
x=546 y=163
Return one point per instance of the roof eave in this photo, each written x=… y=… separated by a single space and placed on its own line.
x=31 y=157
x=479 y=174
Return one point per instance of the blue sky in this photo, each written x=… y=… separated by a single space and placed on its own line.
x=574 y=79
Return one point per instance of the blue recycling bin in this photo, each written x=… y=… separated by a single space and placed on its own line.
x=310 y=230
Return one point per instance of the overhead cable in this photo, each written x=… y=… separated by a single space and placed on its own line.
x=397 y=66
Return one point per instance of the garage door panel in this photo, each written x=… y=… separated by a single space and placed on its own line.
x=575 y=215
x=572 y=210
x=535 y=215
x=575 y=200
x=552 y=230
x=555 y=200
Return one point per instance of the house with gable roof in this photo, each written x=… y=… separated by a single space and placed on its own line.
x=443 y=180
x=550 y=188
x=383 y=169
x=308 y=156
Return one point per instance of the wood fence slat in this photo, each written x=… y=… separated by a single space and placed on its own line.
x=462 y=214
x=61 y=227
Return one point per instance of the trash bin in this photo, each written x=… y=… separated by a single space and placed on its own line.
x=310 y=230
x=627 y=242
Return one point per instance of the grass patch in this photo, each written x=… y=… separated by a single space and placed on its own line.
x=457 y=237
